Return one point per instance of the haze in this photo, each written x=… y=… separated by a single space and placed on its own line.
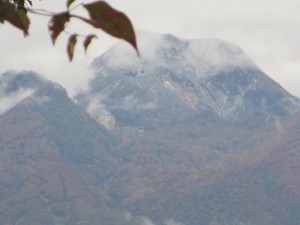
x=268 y=31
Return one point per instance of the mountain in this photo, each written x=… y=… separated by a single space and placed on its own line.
x=176 y=80
x=53 y=159
x=206 y=135
x=192 y=132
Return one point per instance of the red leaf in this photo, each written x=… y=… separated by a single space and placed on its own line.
x=88 y=41
x=113 y=22
x=71 y=46
x=57 y=24
x=18 y=18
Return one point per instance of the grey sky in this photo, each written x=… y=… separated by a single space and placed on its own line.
x=268 y=31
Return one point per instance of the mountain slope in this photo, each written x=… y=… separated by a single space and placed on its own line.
x=205 y=133
x=54 y=161
x=195 y=134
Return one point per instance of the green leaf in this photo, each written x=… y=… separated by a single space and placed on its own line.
x=69 y=3
x=57 y=24
x=113 y=22
x=71 y=46
x=88 y=41
x=18 y=18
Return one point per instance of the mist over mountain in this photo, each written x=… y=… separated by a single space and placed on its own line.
x=192 y=132
x=180 y=79
x=15 y=86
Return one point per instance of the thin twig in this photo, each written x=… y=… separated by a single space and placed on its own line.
x=76 y=6
x=41 y=12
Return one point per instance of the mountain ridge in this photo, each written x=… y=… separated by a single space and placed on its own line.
x=50 y=150
x=208 y=76
x=149 y=144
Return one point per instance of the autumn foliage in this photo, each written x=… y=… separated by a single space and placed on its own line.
x=100 y=16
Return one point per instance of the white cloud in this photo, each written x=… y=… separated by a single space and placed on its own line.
x=146 y=221
x=140 y=220
x=124 y=55
x=98 y=111
x=9 y=101
x=172 y=222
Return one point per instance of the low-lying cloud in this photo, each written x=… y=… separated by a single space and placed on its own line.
x=98 y=111
x=142 y=220
x=10 y=100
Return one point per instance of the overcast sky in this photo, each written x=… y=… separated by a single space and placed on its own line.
x=268 y=31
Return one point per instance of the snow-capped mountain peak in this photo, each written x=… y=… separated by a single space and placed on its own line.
x=182 y=77
x=207 y=56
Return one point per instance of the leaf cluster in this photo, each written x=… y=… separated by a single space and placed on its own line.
x=12 y=14
x=100 y=16
x=22 y=4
